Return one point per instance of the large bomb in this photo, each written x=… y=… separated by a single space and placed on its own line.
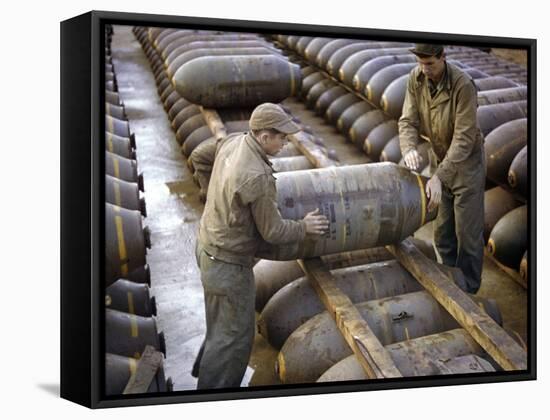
x=498 y=202
x=237 y=81
x=517 y=174
x=508 y=240
x=367 y=205
x=501 y=147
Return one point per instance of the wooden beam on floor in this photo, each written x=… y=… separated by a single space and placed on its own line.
x=489 y=335
x=371 y=354
x=214 y=122
x=311 y=151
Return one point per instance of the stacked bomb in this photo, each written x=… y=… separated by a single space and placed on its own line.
x=129 y=308
x=171 y=52
x=360 y=87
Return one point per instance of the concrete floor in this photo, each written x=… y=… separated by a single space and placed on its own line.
x=174 y=212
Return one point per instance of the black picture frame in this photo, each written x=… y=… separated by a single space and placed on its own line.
x=82 y=206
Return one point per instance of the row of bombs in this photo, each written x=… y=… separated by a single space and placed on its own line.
x=374 y=128
x=130 y=310
x=354 y=65
x=344 y=59
x=220 y=69
x=371 y=129
x=421 y=337
x=188 y=122
x=506 y=209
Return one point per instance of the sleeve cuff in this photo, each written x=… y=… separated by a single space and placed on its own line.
x=303 y=229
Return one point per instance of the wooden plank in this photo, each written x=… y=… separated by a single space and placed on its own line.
x=146 y=370
x=371 y=354
x=311 y=151
x=507 y=270
x=490 y=336
x=214 y=122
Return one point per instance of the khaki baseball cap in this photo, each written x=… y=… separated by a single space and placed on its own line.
x=270 y=115
x=427 y=49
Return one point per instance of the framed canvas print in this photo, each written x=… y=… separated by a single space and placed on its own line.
x=255 y=209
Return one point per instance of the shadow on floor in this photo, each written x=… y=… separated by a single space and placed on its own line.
x=52 y=389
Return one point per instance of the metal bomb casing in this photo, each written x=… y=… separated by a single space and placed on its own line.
x=518 y=173
x=508 y=240
x=119 y=369
x=129 y=334
x=216 y=51
x=125 y=242
x=133 y=298
x=367 y=205
x=237 y=80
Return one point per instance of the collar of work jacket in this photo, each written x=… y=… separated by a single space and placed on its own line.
x=444 y=86
x=252 y=142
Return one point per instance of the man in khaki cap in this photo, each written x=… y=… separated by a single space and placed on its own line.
x=441 y=107
x=240 y=213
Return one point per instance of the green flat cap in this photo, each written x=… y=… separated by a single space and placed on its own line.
x=427 y=49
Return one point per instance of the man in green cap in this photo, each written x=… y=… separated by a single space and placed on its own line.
x=240 y=214
x=441 y=107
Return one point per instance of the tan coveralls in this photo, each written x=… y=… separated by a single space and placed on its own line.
x=447 y=118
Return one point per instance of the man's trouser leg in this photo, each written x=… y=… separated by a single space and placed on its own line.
x=230 y=322
x=445 y=239
x=469 y=214
x=196 y=365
